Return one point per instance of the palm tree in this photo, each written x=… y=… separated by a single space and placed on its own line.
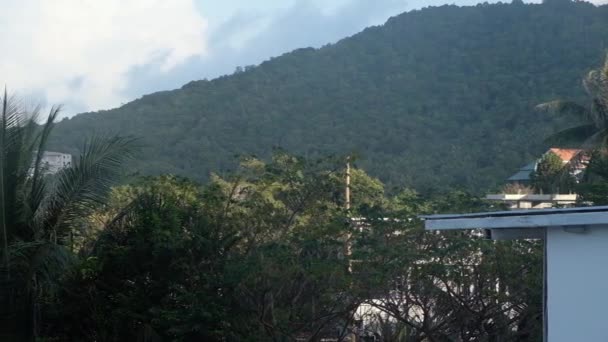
x=591 y=130
x=38 y=211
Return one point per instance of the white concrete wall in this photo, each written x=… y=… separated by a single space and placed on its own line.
x=577 y=285
x=55 y=161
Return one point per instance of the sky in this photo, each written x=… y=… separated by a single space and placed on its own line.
x=90 y=55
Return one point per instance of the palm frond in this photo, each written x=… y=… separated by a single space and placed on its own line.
x=9 y=131
x=598 y=165
x=2 y=200
x=11 y=119
x=82 y=188
x=42 y=258
x=37 y=186
x=562 y=107
x=596 y=82
x=599 y=113
x=597 y=139
x=593 y=121
x=574 y=136
x=596 y=86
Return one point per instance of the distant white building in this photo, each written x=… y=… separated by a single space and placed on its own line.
x=52 y=162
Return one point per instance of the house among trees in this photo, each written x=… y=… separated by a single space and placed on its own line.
x=546 y=182
x=571 y=157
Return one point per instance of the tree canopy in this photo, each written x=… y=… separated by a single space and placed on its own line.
x=271 y=254
x=552 y=176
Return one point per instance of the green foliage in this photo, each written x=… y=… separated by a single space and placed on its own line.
x=254 y=258
x=154 y=273
x=454 y=286
x=594 y=187
x=595 y=193
x=270 y=255
x=39 y=213
x=552 y=176
x=293 y=276
x=434 y=99
x=366 y=190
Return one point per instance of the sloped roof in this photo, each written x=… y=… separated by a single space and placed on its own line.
x=529 y=167
x=565 y=154
x=524 y=173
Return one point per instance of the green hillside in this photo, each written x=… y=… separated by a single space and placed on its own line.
x=441 y=97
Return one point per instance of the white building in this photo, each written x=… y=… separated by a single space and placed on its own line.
x=576 y=255
x=52 y=162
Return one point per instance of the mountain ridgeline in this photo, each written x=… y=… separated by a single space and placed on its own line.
x=437 y=98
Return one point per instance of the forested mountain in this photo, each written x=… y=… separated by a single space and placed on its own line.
x=440 y=97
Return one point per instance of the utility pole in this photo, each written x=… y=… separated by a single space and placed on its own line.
x=348 y=242
x=347 y=190
x=352 y=335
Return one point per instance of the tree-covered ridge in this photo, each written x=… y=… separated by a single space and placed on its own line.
x=440 y=97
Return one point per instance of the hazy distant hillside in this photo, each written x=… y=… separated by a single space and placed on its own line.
x=438 y=97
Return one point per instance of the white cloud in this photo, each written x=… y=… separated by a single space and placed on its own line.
x=79 y=52
x=96 y=54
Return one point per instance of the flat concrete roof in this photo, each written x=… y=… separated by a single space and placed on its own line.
x=532 y=197
x=518 y=219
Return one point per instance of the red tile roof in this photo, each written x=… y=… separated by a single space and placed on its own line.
x=566 y=154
